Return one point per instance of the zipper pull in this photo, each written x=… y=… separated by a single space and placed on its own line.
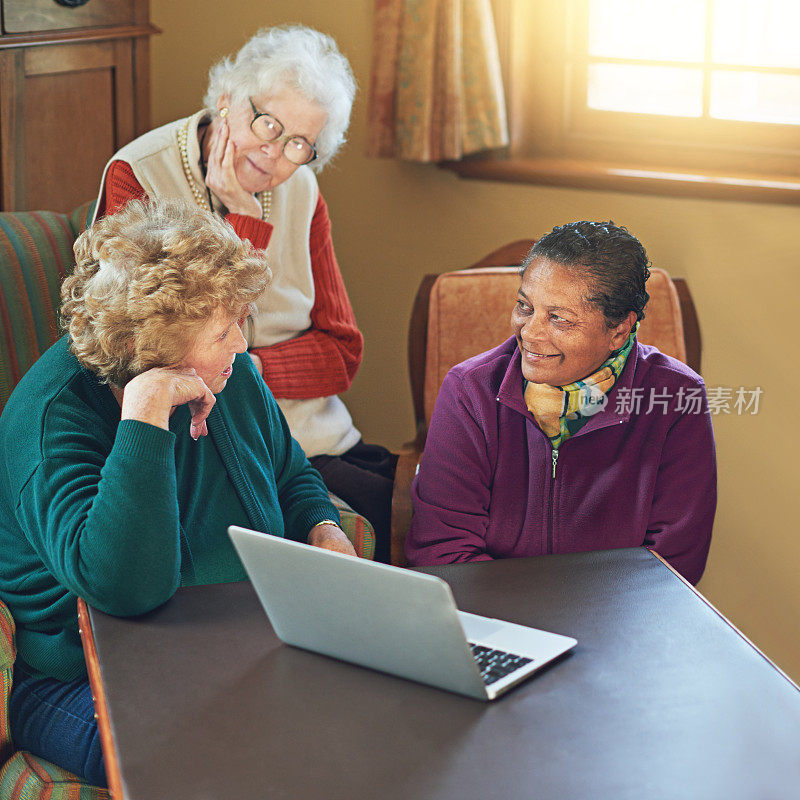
x=555 y=462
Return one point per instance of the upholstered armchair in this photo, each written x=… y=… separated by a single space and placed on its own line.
x=459 y=314
x=24 y=775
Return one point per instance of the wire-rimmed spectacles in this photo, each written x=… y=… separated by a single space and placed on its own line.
x=268 y=129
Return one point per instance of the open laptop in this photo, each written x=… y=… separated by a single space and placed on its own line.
x=389 y=619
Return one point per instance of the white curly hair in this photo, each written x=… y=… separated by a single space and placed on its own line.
x=290 y=57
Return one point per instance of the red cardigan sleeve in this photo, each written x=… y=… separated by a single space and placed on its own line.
x=121 y=185
x=323 y=360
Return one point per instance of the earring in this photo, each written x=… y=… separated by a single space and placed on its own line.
x=223 y=112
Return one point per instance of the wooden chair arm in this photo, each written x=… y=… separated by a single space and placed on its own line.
x=401 y=500
x=110 y=756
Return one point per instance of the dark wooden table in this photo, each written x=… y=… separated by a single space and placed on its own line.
x=662 y=698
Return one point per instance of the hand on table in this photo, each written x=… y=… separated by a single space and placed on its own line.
x=221 y=175
x=330 y=537
x=152 y=397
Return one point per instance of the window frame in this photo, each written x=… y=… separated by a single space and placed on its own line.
x=557 y=140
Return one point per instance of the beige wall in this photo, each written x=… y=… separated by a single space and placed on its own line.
x=393 y=222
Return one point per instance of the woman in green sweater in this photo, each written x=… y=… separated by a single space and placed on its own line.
x=130 y=446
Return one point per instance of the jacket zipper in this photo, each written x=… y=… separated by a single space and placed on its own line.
x=550 y=504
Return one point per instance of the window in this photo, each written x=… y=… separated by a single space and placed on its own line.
x=686 y=96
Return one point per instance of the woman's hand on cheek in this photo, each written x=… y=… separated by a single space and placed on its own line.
x=221 y=174
x=152 y=396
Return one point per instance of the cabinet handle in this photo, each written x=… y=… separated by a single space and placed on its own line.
x=72 y=3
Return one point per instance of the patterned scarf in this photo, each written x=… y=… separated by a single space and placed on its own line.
x=561 y=411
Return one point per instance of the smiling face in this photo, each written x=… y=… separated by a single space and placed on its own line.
x=261 y=166
x=562 y=337
x=213 y=351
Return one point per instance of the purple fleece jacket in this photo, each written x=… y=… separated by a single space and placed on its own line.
x=629 y=477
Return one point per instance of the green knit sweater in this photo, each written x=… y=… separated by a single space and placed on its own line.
x=122 y=513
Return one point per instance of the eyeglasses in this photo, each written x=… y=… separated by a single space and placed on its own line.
x=268 y=129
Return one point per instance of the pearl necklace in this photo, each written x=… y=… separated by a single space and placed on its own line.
x=265 y=198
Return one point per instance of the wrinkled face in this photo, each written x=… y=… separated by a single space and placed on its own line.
x=260 y=166
x=214 y=349
x=561 y=336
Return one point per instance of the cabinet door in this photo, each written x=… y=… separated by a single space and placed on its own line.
x=64 y=110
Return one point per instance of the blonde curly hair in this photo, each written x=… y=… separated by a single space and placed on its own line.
x=147 y=279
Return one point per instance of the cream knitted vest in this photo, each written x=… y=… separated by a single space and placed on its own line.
x=321 y=425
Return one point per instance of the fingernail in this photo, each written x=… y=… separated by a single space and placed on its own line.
x=194 y=431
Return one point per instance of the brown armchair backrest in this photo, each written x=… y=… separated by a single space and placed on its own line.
x=459 y=314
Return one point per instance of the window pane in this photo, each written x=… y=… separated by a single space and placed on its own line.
x=757 y=32
x=650 y=29
x=646 y=90
x=755 y=97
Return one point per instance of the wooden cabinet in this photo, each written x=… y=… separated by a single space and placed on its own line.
x=74 y=88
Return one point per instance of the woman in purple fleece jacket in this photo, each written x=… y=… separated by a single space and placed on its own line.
x=571 y=435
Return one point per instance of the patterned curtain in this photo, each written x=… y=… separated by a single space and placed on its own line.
x=436 y=92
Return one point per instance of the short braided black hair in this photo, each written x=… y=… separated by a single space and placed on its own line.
x=612 y=260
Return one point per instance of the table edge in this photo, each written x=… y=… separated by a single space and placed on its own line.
x=733 y=627
x=110 y=756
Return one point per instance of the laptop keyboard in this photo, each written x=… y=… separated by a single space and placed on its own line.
x=496 y=664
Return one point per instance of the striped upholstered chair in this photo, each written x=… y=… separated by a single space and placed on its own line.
x=35 y=256
x=24 y=776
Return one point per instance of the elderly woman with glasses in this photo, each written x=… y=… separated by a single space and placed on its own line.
x=274 y=113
